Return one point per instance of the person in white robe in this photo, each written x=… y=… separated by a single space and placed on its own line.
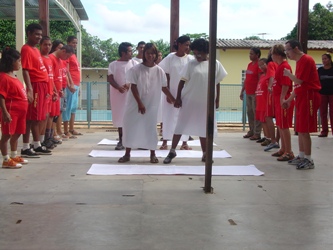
x=119 y=87
x=147 y=81
x=173 y=65
x=139 y=49
x=192 y=97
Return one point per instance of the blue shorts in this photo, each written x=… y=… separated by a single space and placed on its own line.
x=72 y=103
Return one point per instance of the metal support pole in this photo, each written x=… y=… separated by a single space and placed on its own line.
x=174 y=22
x=211 y=96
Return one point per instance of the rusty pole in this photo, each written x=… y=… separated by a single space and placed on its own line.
x=44 y=16
x=211 y=96
x=174 y=22
x=303 y=23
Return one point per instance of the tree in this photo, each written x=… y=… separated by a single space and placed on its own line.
x=197 y=36
x=162 y=46
x=320 y=24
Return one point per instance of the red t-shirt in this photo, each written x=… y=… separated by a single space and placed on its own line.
x=251 y=78
x=281 y=80
x=74 y=70
x=13 y=92
x=33 y=62
x=49 y=67
x=261 y=93
x=64 y=73
x=306 y=71
x=57 y=71
x=271 y=69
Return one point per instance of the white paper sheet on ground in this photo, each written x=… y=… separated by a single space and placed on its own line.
x=190 y=143
x=105 y=169
x=159 y=153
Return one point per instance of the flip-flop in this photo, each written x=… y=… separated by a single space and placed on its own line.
x=123 y=159
x=164 y=147
x=74 y=132
x=153 y=159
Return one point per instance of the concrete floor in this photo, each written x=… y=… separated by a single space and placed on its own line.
x=52 y=204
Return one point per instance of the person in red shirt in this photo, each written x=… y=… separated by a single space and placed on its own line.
x=250 y=86
x=282 y=89
x=72 y=91
x=36 y=79
x=13 y=108
x=306 y=94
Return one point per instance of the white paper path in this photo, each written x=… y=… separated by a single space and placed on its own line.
x=159 y=153
x=113 y=142
x=105 y=169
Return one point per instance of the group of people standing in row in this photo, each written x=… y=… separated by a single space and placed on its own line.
x=136 y=89
x=273 y=91
x=52 y=77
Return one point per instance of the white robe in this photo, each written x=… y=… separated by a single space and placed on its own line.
x=193 y=113
x=140 y=129
x=118 y=69
x=173 y=66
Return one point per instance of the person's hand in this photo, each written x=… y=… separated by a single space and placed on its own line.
x=61 y=93
x=241 y=96
x=270 y=90
x=6 y=117
x=122 y=89
x=127 y=86
x=169 y=100
x=30 y=96
x=286 y=72
x=142 y=108
x=285 y=104
x=217 y=104
x=178 y=103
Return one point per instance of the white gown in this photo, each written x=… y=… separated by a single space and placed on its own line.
x=193 y=113
x=140 y=129
x=173 y=66
x=118 y=69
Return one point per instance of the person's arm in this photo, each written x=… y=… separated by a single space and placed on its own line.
x=114 y=84
x=70 y=83
x=284 y=92
x=292 y=77
x=168 y=83
x=217 y=100
x=241 y=96
x=286 y=103
x=170 y=97
x=178 y=102
x=5 y=115
x=270 y=84
x=26 y=78
x=135 y=92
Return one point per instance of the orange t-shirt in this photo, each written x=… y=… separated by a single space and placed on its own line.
x=281 y=80
x=306 y=70
x=57 y=71
x=74 y=70
x=49 y=67
x=33 y=62
x=251 y=78
x=261 y=93
x=271 y=69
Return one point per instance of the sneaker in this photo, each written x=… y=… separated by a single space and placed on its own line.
x=266 y=142
x=20 y=160
x=29 y=153
x=56 y=141
x=48 y=144
x=10 y=164
x=42 y=150
x=306 y=164
x=119 y=146
x=271 y=146
x=169 y=157
x=261 y=140
x=296 y=161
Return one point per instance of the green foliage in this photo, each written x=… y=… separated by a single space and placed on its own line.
x=7 y=33
x=320 y=24
x=197 y=35
x=252 y=38
x=162 y=46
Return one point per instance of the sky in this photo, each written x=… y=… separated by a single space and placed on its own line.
x=136 y=20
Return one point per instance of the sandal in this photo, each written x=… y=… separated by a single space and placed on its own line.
x=70 y=136
x=164 y=147
x=185 y=147
x=278 y=153
x=125 y=158
x=286 y=157
x=153 y=159
x=74 y=132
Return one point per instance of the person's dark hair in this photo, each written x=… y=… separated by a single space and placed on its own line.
x=68 y=49
x=147 y=47
x=278 y=49
x=328 y=55
x=123 y=48
x=44 y=38
x=55 y=44
x=32 y=27
x=256 y=51
x=8 y=58
x=71 y=38
x=141 y=43
x=181 y=40
x=200 y=45
x=294 y=43
x=265 y=60
x=269 y=58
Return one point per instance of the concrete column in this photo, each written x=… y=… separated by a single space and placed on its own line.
x=44 y=16
x=174 y=22
x=20 y=28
